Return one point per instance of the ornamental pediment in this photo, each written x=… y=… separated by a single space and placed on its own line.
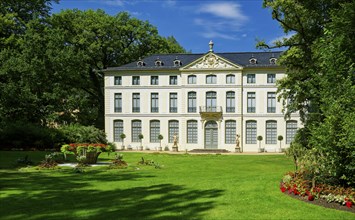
x=211 y=61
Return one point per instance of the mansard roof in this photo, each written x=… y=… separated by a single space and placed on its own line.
x=167 y=60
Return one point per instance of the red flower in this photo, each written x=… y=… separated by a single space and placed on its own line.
x=283 y=189
x=349 y=204
x=310 y=198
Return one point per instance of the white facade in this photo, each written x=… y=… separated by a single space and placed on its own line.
x=211 y=120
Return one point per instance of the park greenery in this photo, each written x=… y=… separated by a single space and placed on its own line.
x=51 y=64
x=320 y=67
x=130 y=186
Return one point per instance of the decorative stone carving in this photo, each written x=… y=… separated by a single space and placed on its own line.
x=211 y=61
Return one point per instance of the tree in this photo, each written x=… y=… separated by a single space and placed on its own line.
x=319 y=63
x=280 y=138
x=160 y=137
x=259 y=138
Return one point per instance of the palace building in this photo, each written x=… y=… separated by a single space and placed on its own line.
x=205 y=100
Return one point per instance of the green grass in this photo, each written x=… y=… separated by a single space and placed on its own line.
x=187 y=187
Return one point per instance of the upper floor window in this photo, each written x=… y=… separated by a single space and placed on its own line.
x=271 y=78
x=173 y=80
x=154 y=102
x=251 y=103
x=177 y=62
x=250 y=78
x=230 y=79
x=118 y=80
x=118 y=102
x=136 y=105
x=191 y=79
x=271 y=102
x=154 y=80
x=135 y=80
x=173 y=105
x=191 y=97
x=211 y=79
x=230 y=98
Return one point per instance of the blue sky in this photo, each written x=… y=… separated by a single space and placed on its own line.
x=233 y=26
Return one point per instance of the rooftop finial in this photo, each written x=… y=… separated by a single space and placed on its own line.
x=211 y=45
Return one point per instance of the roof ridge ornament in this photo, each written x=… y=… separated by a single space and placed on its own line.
x=211 y=45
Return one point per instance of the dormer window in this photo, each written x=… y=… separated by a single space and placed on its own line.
x=158 y=62
x=140 y=63
x=253 y=60
x=177 y=63
x=273 y=61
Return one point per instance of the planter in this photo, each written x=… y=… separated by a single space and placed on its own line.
x=261 y=150
x=123 y=147
x=176 y=149
x=160 y=148
x=91 y=157
x=141 y=148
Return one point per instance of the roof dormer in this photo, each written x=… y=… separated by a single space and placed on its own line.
x=140 y=63
x=273 y=61
x=158 y=62
x=253 y=60
x=177 y=62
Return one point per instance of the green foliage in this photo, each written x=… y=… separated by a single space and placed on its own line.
x=320 y=84
x=24 y=161
x=260 y=138
x=76 y=133
x=19 y=134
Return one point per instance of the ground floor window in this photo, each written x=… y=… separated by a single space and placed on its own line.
x=173 y=130
x=154 y=131
x=291 y=129
x=251 y=132
x=192 y=131
x=136 y=130
x=230 y=132
x=117 y=130
x=271 y=132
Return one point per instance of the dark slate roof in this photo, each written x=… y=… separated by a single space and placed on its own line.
x=242 y=59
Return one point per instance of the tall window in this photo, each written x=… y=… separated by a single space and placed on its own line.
x=191 y=79
x=154 y=131
x=291 y=129
x=136 y=130
x=251 y=102
x=230 y=105
x=271 y=102
x=154 y=80
x=191 y=96
x=118 y=102
x=173 y=80
x=251 y=132
x=271 y=132
x=271 y=78
x=173 y=102
x=117 y=130
x=211 y=101
x=192 y=131
x=135 y=80
x=173 y=130
x=250 y=78
x=230 y=79
x=211 y=79
x=230 y=132
x=118 y=80
x=154 y=102
x=136 y=105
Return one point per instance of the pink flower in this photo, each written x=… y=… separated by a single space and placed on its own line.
x=349 y=204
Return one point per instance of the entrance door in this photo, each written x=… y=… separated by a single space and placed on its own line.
x=211 y=135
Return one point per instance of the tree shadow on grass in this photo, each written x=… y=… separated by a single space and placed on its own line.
x=44 y=196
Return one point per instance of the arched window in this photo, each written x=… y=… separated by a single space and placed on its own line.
x=191 y=79
x=230 y=132
x=271 y=132
x=191 y=99
x=250 y=132
x=192 y=131
x=211 y=79
x=136 y=130
x=154 y=131
x=230 y=79
x=291 y=129
x=117 y=130
x=230 y=98
x=173 y=130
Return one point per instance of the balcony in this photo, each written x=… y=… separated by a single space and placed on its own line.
x=211 y=112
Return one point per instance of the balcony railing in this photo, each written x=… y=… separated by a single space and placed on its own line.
x=210 y=109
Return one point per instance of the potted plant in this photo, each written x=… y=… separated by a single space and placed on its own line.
x=260 y=138
x=160 y=137
x=280 y=138
x=122 y=136
x=140 y=136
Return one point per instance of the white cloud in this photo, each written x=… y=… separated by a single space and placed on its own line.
x=169 y=3
x=226 y=21
x=280 y=38
x=227 y=10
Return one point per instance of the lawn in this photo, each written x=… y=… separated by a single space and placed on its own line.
x=187 y=187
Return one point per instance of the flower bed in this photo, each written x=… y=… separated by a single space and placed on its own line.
x=296 y=184
x=90 y=151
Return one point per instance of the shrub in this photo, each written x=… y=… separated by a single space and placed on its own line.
x=118 y=162
x=50 y=160
x=76 y=133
